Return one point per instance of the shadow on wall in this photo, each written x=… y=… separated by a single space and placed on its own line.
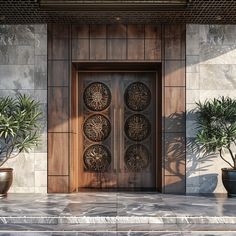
x=210 y=41
x=195 y=162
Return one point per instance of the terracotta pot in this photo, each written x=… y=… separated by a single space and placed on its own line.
x=229 y=181
x=6 y=177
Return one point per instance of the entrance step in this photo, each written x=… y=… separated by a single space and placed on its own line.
x=107 y=213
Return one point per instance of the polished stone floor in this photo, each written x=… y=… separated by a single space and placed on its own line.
x=111 y=213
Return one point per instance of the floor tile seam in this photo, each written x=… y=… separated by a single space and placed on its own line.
x=114 y=231
x=169 y=207
x=128 y=216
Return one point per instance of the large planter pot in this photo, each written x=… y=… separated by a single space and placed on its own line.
x=5 y=181
x=229 y=181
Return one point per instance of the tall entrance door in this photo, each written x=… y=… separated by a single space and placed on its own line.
x=117 y=130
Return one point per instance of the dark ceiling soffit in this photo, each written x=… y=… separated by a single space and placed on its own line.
x=112 y=5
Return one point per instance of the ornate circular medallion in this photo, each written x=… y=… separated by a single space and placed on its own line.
x=97 y=96
x=137 y=96
x=137 y=127
x=97 y=128
x=97 y=158
x=137 y=158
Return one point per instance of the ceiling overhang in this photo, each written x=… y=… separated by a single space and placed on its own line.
x=118 y=12
x=95 y=5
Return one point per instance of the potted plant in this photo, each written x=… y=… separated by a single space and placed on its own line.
x=216 y=133
x=19 y=132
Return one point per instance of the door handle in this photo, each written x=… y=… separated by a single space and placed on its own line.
x=114 y=140
x=121 y=138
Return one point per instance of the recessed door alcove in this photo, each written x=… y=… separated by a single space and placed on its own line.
x=74 y=49
x=117 y=121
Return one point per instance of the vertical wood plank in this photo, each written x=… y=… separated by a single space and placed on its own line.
x=80 y=31
x=174 y=109
x=58 y=184
x=116 y=31
x=58 y=73
x=116 y=49
x=152 y=31
x=135 y=49
x=58 y=99
x=74 y=152
x=80 y=49
x=135 y=31
x=175 y=73
x=152 y=49
x=98 y=31
x=58 y=154
x=97 y=49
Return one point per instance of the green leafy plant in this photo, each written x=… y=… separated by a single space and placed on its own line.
x=19 y=126
x=216 y=127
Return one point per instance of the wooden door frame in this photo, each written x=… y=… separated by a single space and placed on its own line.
x=108 y=67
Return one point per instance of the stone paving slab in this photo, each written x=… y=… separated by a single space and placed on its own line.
x=117 y=214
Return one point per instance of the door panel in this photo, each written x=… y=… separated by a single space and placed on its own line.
x=117 y=130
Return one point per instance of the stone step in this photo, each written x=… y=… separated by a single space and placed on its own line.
x=117 y=220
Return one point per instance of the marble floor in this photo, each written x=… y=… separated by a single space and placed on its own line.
x=112 y=213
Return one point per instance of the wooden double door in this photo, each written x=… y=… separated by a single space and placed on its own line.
x=117 y=130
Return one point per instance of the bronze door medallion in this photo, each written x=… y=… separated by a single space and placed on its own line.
x=97 y=158
x=137 y=96
x=137 y=158
x=137 y=127
x=97 y=128
x=97 y=96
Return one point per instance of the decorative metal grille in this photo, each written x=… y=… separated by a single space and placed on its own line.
x=97 y=158
x=137 y=158
x=97 y=128
x=196 y=11
x=97 y=96
x=137 y=127
x=137 y=96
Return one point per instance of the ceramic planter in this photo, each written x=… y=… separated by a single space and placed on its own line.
x=229 y=181
x=6 y=177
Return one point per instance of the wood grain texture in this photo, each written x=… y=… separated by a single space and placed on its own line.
x=149 y=42
x=73 y=171
x=152 y=49
x=174 y=155
x=174 y=184
x=58 y=49
x=174 y=100
x=58 y=73
x=116 y=31
x=174 y=36
x=153 y=32
x=117 y=175
x=59 y=30
x=174 y=152
x=136 y=49
x=174 y=31
x=98 y=31
x=174 y=49
x=80 y=31
x=58 y=154
x=58 y=184
x=174 y=109
x=80 y=49
x=135 y=31
x=97 y=49
x=175 y=73
x=116 y=49
x=58 y=106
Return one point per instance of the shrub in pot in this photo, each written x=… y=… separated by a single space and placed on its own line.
x=19 y=132
x=216 y=133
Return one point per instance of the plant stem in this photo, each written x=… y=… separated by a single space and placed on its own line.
x=2 y=163
x=225 y=159
x=231 y=154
